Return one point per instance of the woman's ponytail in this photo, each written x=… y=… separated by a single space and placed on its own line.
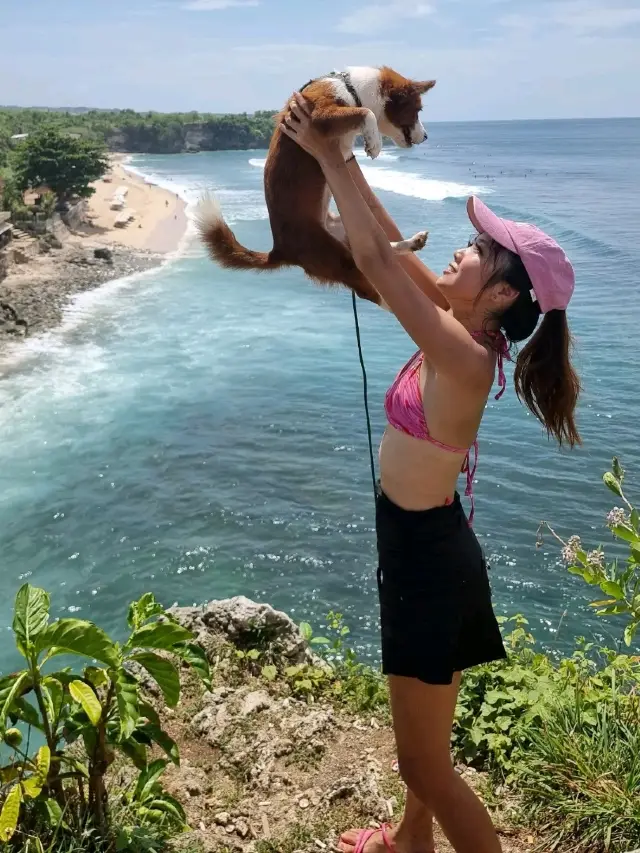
x=546 y=381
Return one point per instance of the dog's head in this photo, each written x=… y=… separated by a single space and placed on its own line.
x=400 y=119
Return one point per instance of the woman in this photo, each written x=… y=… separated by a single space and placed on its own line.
x=435 y=601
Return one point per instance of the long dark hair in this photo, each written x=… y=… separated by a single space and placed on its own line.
x=544 y=376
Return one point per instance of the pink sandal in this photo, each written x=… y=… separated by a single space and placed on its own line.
x=365 y=834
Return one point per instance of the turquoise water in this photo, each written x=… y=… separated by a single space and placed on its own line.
x=201 y=433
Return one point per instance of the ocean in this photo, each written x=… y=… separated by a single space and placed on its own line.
x=201 y=433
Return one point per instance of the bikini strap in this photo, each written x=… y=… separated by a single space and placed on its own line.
x=503 y=352
x=501 y=348
x=470 y=471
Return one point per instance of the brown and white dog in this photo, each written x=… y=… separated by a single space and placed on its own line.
x=369 y=101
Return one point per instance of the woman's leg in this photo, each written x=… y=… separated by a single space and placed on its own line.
x=422 y=722
x=414 y=833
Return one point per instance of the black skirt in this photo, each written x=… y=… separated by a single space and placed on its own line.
x=435 y=600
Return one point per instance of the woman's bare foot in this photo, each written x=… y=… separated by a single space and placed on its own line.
x=375 y=844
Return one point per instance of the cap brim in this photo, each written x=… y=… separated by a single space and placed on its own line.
x=485 y=221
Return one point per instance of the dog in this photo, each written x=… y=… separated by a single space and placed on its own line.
x=371 y=102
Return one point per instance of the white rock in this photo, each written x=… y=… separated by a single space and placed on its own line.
x=241 y=619
x=255 y=701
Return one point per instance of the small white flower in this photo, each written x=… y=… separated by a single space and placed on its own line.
x=596 y=558
x=616 y=516
x=569 y=552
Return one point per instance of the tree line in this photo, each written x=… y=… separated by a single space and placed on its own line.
x=149 y=132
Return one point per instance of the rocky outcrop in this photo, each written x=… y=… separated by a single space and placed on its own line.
x=264 y=767
x=263 y=763
x=246 y=623
x=10 y=322
x=104 y=254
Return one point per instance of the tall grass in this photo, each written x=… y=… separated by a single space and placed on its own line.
x=581 y=777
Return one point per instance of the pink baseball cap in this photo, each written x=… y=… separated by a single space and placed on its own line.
x=549 y=269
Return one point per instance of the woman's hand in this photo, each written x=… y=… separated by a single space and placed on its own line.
x=298 y=125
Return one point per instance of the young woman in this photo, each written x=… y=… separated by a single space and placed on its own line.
x=435 y=601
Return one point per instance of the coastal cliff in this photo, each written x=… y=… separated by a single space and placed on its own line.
x=220 y=133
x=126 y=131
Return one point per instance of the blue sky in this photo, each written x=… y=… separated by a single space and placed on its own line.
x=493 y=59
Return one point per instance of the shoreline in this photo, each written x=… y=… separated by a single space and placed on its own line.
x=160 y=215
x=46 y=272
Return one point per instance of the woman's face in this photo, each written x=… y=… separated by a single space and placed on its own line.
x=464 y=278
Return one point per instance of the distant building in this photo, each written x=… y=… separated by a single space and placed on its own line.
x=18 y=136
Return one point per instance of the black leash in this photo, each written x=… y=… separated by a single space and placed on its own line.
x=366 y=398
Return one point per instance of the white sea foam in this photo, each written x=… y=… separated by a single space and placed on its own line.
x=81 y=308
x=187 y=192
x=409 y=183
x=416 y=186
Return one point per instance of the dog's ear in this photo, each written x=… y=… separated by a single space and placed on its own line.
x=424 y=86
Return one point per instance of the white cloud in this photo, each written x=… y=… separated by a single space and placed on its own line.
x=378 y=18
x=580 y=17
x=211 y=5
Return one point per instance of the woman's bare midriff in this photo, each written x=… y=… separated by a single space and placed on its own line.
x=416 y=474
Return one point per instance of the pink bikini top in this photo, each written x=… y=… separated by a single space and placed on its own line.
x=405 y=410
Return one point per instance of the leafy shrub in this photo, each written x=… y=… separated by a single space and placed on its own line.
x=48 y=203
x=503 y=705
x=500 y=701
x=101 y=711
x=11 y=198
x=618 y=580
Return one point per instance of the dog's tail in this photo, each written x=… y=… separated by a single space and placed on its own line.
x=221 y=241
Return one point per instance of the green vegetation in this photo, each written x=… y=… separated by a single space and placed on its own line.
x=57 y=794
x=158 y=133
x=66 y=166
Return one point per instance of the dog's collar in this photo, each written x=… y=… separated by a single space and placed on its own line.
x=346 y=79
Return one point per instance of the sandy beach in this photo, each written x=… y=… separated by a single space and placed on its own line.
x=45 y=272
x=159 y=219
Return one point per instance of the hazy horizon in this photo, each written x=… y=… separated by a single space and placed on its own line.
x=80 y=110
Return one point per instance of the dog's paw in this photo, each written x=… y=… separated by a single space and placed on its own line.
x=418 y=241
x=413 y=244
x=371 y=136
x=372 y=145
